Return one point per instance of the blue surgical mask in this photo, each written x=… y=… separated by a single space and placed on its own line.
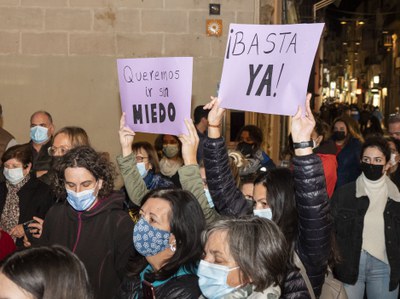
x=209 y=199
x=149 y=240
x=142 y=169
x=81 y=201
x=13 y=175
x=264 y=213
x=39 y=134
x=212 y=280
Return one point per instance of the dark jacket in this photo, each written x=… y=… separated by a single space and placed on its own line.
x=395 y=177
x=5 y=138
x=101 y=238
x=348 y=160
x=157 y=181
x=182 y=287
x=41 y=160
x=35 y=199
x=348 y=213
x=313 y=241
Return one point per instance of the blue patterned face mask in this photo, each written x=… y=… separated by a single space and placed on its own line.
x=38 y=134
x=149 y=240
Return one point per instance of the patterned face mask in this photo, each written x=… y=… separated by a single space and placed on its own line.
x=149 y=240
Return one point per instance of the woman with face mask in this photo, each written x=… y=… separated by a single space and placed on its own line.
x=297 y=202
x=170 y=148
x=22 y=195
x=90 y=222
x=250 y=139
x=243 y=258
x=366 y=217
x=65 y=139
x=348 y=149
x=167 y=240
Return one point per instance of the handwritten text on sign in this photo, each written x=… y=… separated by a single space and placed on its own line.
x=267 y=67
x=156 y=93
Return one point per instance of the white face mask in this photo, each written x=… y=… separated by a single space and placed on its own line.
x=13 y=175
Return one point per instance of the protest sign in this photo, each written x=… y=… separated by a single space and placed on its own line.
x=267 y=67
x=156 y=93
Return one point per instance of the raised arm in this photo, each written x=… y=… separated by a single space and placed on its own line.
x=313 y=244
x=228 y=199
x=134 y=184
x=189 y=173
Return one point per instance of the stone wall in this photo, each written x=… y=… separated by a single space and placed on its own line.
x=59 y=55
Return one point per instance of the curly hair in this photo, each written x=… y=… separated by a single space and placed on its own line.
x=95 y=163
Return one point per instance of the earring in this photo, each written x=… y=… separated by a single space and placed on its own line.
x=172 y=247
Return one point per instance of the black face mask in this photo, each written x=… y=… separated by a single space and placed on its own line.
x=339 y=135
x=245 y=148
x=372 y=172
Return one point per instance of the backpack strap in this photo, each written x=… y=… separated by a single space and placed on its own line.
x=303 y=273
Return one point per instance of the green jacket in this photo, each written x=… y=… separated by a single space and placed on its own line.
x=134 y=184
x=189 y=176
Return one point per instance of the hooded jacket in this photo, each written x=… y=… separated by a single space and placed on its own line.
x=101 y=238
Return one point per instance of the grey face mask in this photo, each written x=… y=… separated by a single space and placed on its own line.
x=170 y=150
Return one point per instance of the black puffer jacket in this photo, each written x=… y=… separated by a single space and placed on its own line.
x=313 y=241
x=183 y=287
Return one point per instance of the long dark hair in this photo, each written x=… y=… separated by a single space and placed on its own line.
x=48 y=273
x=187 y=223
x=281 y=198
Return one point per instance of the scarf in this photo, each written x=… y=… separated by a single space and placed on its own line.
x=378 y=193
x=10 y=215
x=169 y=167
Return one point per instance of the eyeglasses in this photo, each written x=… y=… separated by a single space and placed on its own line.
x=141 y=159
x=57 y=151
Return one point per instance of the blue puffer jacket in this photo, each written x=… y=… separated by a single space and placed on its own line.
x=313 y=241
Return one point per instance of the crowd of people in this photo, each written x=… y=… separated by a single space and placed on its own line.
x=196 y=220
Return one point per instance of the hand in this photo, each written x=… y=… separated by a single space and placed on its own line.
x=126 y=137
x=190 y=143
x=37 y=227
x=214 y=117
x=303 y=126
x=26 y=242
x=216 y=113
x=17 y=231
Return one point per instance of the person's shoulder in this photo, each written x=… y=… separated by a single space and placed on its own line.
x=184 y=286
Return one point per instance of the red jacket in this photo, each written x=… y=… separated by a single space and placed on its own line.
x=7 y=245
x=329 y=164
x=327 y=152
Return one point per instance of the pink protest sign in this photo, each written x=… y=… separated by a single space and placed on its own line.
x=267 y=67
x=156 y=93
